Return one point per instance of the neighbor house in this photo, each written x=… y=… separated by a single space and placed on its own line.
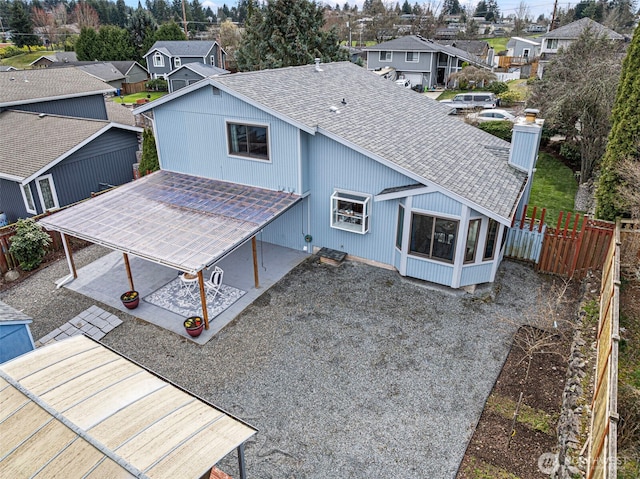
x=53 y=58
x=126 y=76
x=165 y=56
x=421 y=61
x=61 y=140
x=190 y=73
x=378 y=172
x=553 y=41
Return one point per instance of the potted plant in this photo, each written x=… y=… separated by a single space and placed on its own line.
x=130 y=299
x=194 y=325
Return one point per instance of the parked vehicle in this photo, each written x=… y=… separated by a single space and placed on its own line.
x=471 y=101
x=403 y=83
x=493 y=114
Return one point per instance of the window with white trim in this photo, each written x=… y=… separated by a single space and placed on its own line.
x=412 y=57
x=385 y=56
x=433 y=237
x=490 y=241
x=47 y=193
x=27 y=197
x=473 y=233
x=213 y=60
x=350 y=211
x=552 y=43
x=177 y=62
x=400 y=227
x=158 y=59
x=526 y=52
x=248 y=141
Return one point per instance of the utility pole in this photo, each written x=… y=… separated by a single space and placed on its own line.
x=184 y=20
x=553 y=17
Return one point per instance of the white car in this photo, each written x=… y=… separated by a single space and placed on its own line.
x=404 y=83
x=491 y=115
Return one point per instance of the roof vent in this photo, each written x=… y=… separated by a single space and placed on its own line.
x=334 y=109
x=344 y=101
x=318 y=69
x=42 y=115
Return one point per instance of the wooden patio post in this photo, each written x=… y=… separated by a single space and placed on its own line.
x=256 y=280
x=203 y=300
x=128 y=268
x=68 y=253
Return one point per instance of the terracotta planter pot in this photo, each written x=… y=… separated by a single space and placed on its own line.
x=194 y=326
x=130 y=303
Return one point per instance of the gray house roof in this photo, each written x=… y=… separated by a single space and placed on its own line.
x=202 y=69
x=51 y=139
x=30 y=86
x=395 y=126
x=60 y=57
x=7 y=68
x=573 y=30
x=104 y=71
x=474 y=47
x=7 y=313
x=182 y=48
x=119 y=114
x=125 y=66
x=415 y=43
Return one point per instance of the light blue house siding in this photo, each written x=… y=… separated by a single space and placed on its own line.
x=194 y=141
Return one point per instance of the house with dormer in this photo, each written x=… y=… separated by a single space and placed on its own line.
x=411 y=188
x=165 y=56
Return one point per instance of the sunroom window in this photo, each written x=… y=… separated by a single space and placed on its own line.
x=433 y=237
x=490 y=243
x=350 y=211
x=472 y=241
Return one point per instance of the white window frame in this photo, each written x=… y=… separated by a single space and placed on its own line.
x=552 y=44
x=348 y=218
x=177 y=62
x=49 y=178
x=388 y=56
x=227 y=134
x=417 y=57
x=29 y=199
x=432 y=255
x=212 y=58
x=526 y=52
x=158 y=60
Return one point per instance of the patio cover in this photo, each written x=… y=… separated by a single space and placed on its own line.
x=181 y=221
x=77 y=409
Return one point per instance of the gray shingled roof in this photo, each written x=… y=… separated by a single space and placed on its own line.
x=203 y=69
x=573 y=30
x=125 y=66
x=7 y=313
x=59 y=57
x=119 y=113
x=183 y=48
x=104 y=71
x=390 y=123
x=414 y=43
x=475 y=47
x=7 y=68
x=28 y=86
x=49 y=138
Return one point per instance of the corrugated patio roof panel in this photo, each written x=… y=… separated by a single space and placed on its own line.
x=208 y=218
x=100 y=415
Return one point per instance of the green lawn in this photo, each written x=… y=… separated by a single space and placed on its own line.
x=554 y=188
x=24 y=60
x=130 y=99
x=498 y=43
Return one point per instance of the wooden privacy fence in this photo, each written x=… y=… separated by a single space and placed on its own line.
x=602 y=463
x=129 y=88
x=576 y=245
x=525 y=237
x=7 y=260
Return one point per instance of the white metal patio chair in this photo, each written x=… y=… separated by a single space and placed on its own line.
x=214 y=283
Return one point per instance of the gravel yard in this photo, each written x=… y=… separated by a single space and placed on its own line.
x=351 y=371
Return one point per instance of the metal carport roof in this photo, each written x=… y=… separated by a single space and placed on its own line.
x=181 y=221
x=77 y=409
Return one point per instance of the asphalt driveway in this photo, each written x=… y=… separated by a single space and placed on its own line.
x=351 y=372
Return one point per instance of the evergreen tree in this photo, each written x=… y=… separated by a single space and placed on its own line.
x=169 y=31
x=142 y=27
x=481 y=9
x=406 y=7
x=21 y=25
x=149 y=160
x=87 y=47
x=286 y=33
x=121 y=13
x=624 y=139
x=451 y=7
x=115 y=44
x=198 y=16
x=493 y=11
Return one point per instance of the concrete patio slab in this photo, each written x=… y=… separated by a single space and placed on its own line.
x=105 y=280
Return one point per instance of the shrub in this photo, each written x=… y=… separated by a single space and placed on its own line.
x=510 y=97
x=497 y=87
x=571 y=153
x=29 y=244
x=149 y=160
x=157 y=84
x=501 y=129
